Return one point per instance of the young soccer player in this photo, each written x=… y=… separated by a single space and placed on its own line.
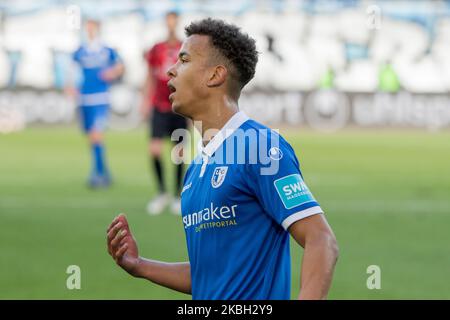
x=163 y=121
x=100 y=65
x=237 y=210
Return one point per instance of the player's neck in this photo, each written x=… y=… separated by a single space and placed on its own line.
x=215 y=118
x=94 y=43
x=172 y=39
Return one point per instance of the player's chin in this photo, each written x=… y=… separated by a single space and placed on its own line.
x=176 y=107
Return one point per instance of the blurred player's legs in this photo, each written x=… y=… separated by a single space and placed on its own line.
x=162 y=124
x=94 y=119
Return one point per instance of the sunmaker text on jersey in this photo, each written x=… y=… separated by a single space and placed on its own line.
x=208 y=214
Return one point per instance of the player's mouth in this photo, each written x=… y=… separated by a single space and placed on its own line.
x=172 y=90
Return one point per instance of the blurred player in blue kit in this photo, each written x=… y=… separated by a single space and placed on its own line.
x=100 y=66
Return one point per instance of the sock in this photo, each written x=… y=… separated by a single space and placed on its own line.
x=159 y=174
x=179 y=177
x=98 y=153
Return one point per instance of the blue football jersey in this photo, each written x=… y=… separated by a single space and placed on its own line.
x=93 y=60
x=239 y=198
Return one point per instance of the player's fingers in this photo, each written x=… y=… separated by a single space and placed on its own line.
x=119 y=253
x=124 y=240
x=108 y=241
x=122 y=218
x=109 y=246
x=115 y=220
x=113 y=243
x=110 y=227
x=112 y=233
x=117 y=239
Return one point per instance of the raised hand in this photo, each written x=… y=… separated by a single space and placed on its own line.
x=122 y=245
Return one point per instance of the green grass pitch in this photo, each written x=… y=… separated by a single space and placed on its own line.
x=385 y=193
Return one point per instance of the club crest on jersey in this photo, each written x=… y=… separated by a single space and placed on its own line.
x=218 y=176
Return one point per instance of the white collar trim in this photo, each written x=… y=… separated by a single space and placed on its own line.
x=228 y=129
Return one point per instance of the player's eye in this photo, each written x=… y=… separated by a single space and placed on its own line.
x=183 y=59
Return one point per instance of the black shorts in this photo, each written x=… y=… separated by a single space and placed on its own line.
x=163 y=124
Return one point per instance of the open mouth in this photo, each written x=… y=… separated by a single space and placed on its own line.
x=172 y=89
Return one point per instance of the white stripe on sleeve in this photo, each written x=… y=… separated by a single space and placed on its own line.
x=300 y=215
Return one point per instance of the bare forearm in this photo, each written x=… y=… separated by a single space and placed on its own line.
x=176 y=276
x=318 y=264
x=119 y=69
x=115 y=72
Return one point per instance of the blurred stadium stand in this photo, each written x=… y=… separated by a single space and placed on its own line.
x=326 y=64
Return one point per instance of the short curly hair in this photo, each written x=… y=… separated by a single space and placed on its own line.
x=237 y=47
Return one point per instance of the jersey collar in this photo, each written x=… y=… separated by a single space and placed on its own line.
x=228 y=129
x=94 y=46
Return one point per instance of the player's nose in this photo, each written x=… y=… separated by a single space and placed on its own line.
x=171 y=72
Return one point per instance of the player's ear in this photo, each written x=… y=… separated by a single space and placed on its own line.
x=218 y=76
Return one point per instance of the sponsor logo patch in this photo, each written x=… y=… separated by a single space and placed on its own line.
x=293 y=191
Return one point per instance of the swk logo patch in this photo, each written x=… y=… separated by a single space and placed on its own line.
x=218 y=176
x=293 y=191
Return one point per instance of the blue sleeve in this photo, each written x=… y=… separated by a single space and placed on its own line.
x=114 y=56
x=279 y=186
x=76 y=55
